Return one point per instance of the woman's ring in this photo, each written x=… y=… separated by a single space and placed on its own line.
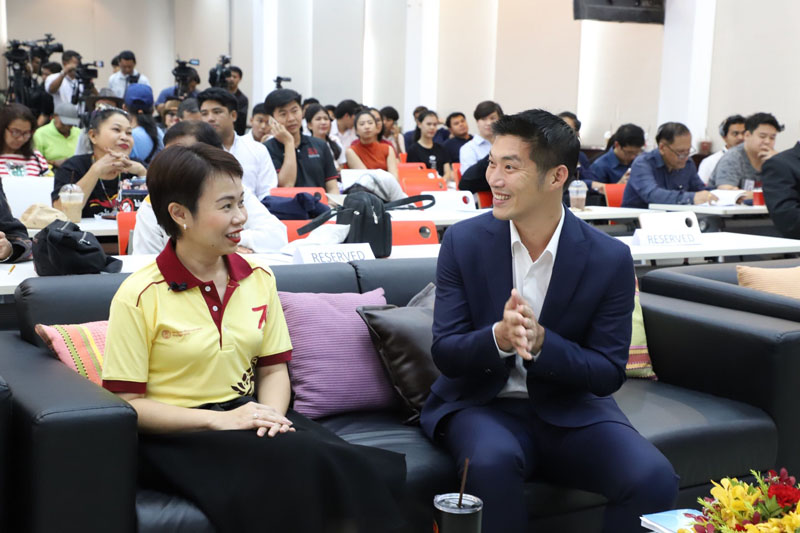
x=255 y=415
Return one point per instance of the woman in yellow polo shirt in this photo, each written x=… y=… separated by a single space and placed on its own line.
x=197 y=344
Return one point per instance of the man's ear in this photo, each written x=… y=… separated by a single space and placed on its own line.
x=234 y=114
x=558 y=177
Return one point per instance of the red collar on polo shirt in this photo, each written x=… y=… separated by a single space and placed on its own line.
x=178 y=276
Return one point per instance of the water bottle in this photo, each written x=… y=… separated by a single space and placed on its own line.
x=432 y=162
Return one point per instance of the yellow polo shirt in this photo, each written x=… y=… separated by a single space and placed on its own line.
x=171 y=338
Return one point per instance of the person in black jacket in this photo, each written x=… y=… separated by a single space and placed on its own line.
x=474 y=179
x=14 y=242
x=780 y=176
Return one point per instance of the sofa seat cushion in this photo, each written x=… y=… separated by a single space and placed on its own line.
x=704 y=437
x=158 y=512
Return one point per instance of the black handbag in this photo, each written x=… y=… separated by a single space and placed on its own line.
x=62 y=248
x=368 y=218
x=300 y=207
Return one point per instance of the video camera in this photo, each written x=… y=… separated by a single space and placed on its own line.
x=22 y=87
x=218 y=76
x=279 y=81
x=183 y=75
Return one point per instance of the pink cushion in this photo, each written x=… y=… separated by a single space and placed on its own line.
x=79 y=346
x=334 y=366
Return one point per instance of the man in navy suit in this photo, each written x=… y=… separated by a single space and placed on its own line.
x=532 y=325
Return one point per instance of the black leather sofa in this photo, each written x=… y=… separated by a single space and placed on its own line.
x=718 y=409
x=5 y=438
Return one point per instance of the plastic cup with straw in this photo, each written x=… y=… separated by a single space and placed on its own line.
x=456 y=511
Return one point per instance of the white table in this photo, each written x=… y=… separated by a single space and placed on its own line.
x=715 y=245
x=601 y=212
x=100 y=227
x=723 y=211
x=448 y=217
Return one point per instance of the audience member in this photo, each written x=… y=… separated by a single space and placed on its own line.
x=104 y=99
x=307 y=102
x=218 y=108
x=62 y=85
x=331 y=109
x=147 y=137
x=44 y=103
x=531 y=348
x=584 y=171
x=301 y=160
x=243 y=105
x=194 y=81
x=408 y=137
x=15 y=245
x=126 y=75
x=459 y=128
x=17 y=154
x=426 y=150
x=391 y=130
x=486 y=113
x=99 y=174
x=259 y=124
x=320 y=126
x=169 y=113
x=666 y=175
x=342 y=129
x=368 y=152
x=58 y=139
x=743 y=162
x=262 y=232
x=189 y=109
x=732 y=132
x=474 y=179
x=781 y=183
x=115 y=64
x=614 y=166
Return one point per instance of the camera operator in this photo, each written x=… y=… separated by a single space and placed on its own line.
x=184 y=75
x=127 y=74
x=63 y=84
x=242 y=106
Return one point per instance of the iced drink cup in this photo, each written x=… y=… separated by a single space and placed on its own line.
x=448 y=517
x=71 y=197
x=577 y=195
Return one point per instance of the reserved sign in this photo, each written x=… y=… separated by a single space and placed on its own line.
x=649 y=238
x=668 y=229
x=333 y=253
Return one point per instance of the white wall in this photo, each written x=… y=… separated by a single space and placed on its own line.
x=337 y=58
x=384 y=57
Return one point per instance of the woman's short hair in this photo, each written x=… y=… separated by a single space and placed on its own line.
x=179 y=173
x=201 y=131
x=9 y=114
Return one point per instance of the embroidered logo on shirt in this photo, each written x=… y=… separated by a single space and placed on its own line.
x=169 y=333
x=246 y=387
x=312 y=152
x=263 y=310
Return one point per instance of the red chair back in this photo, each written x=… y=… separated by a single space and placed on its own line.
x=614 y=193
x=414 y=232
x=126 y=221
x=420 y=166
x=457 y=173
x=292 y=191
x=415 y=181
x=484 y=198
x=403 y=157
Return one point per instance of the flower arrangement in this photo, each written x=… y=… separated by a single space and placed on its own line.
x=770 y=505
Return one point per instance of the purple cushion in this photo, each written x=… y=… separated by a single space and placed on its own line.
x=334 y=366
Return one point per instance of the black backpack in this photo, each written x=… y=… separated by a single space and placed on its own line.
x=62 y=248
x=368 y=218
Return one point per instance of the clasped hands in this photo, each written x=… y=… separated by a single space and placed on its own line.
x=519 y=330
x=113 y=163
x=252 y=415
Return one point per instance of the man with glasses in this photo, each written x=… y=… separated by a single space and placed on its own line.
x=666 y=175
x=614 y=165
x=742 y=164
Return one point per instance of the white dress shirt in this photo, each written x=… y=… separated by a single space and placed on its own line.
x=708 y=164
x=65 y=91
x=531 y=279
x=259 y=172
x=118 y=82
x=473 y=151
x=262 y=233
x=345 y=139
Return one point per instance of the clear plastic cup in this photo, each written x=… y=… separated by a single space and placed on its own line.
x=577 y=195
x=71 y=196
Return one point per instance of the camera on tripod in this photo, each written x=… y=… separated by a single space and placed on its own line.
x=183 y=74
x=21 y=84
x=218 y=76
x=279 y=81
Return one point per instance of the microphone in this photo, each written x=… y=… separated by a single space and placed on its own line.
x=177 y=287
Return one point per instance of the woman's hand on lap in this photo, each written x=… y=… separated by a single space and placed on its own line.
x=263 y=418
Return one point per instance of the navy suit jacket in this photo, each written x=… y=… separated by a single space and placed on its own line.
x=586 y=315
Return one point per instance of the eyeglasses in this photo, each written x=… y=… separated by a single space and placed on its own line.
x=19 y=134
x=682 y=155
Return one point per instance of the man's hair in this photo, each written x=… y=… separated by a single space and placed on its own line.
x=8 y=114
x=669 y=130
x=346 y=107
x=279 y=98
x=193 y=75
x=127 y=55
x=573 y=117
x=331 y=107
x=390 y=113
x=630 y=135
x=451 y=116
x=728 y=122
x=237 y=70
x=189 y=105
x=179 y=173
x=201 y=131
x=309 y=101
x=115 y=61
x=215 y=94
x=552 y=142
x=68 y=55
x=486 y=108
x=258 y=109
x=53 y=67
x=756 y=119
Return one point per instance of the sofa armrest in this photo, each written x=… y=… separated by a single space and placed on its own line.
x=5 y=456
x=746 y=357
x=73 y=445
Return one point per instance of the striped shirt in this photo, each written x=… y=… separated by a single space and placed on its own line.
x=21 y=166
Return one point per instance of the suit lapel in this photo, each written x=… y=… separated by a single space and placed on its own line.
x=497 y=263
x=571 y=257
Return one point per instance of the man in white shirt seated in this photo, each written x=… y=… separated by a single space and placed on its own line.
x=486 y=113
x=343 y=128
x=218 y=109
x=732 y=132
x=126 y=75
x=262 y=232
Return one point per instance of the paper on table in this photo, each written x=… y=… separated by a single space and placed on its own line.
x=726 y=197
x=669 y=521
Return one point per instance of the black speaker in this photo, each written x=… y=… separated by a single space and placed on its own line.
x=645 y=11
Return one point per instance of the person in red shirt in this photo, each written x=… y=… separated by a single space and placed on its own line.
x=369 y=152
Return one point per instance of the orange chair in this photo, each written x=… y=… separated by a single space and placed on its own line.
x=457 y=173
x=484 y=198
x=126 y=221
x=614 y=193
x=420 y=166
x=415 y=181
x=403 y=157
x=414 y=232
x=291 y=191
x=293 y=225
